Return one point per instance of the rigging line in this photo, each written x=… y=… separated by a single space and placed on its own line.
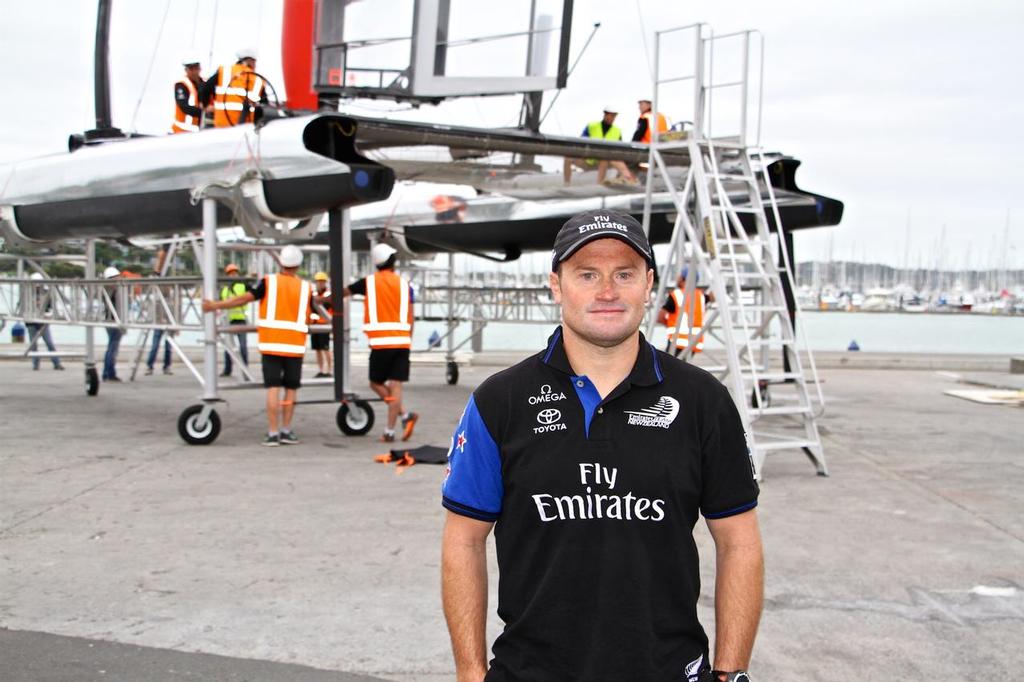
x=213 y=33
x=152 y=60
x=643 y=39
x=195 y=24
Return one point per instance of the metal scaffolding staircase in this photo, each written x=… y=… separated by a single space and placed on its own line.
x=725 y=230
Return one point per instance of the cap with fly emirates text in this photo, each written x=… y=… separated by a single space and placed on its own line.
x=585 y=227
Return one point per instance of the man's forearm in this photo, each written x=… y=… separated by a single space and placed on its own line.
x=739 y=596
x=464 y=595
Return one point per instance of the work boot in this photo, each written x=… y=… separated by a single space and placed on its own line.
x=149 y=371
x=167 y=370
x=408 y=424
x=59 y=368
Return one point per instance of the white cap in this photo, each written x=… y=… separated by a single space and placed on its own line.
x=247 y=53
x=189 y=59
x=291 y=257
x=36 y=275
x=111 y=271
x=610 y=110
x=381 y=253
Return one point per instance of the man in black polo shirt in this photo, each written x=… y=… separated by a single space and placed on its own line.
x=592 y=460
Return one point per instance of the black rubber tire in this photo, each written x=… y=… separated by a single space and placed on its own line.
x=187 y=427
x=766 y=396
x=451 y=373
x=355 y=418
x=92 y=381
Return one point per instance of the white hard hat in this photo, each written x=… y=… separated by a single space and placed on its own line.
x=381 y=253
x=291 y=257
x=247 y=53
x=111 y=271
x=611 y=110
x=190 y=59
x=36 y=275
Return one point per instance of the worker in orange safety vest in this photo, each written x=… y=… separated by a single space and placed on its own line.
x=237 y=91
x=692 y=312
x=281 y=330
x=320 y=342
x=189 y=105
x=387 y=323
x=643 y=124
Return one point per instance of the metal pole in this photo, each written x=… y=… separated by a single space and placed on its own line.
x=210 y=293
x=339 y=237
x=90 y=332
x=654 y=138
x=346 y=276
x=745 y=88
x=450 y=354
x=698 y=84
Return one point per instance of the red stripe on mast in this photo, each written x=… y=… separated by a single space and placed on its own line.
x=297 y=54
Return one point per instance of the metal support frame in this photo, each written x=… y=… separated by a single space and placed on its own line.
x=752 y=313
x=340 y=240
x=425 y=78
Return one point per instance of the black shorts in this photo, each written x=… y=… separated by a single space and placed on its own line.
x=389 y=363
x=320 y=341
x=282 y=370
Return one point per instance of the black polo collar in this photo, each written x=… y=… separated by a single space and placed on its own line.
x=646 y=370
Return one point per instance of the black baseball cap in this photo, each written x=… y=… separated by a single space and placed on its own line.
x=585 y=227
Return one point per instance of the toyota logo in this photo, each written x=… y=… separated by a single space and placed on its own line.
x=548 y=416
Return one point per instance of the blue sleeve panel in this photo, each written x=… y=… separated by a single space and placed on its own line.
x=472 y=486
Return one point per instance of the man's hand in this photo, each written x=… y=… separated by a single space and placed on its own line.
x=464 y=593
x=739 y=588
x=209 y=306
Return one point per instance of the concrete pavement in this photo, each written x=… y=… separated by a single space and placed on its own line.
x=907 y=563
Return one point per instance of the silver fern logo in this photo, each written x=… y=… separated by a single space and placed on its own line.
x=661 y=414
x=693 y=669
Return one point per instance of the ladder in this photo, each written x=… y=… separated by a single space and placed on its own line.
x=725 y=229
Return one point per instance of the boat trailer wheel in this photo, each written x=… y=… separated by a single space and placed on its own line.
x=355 y=418
x=192 y=432
x=92 y=381
x=451 y=373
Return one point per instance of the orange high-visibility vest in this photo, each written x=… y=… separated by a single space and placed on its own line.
x=184 y=123
x=284 y=309
x=693 y=315
x=387 y=313
x=326 y=305
x=661 y=123
x=236 y=87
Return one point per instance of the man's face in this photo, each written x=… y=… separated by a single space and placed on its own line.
x=645 y=106
x=251 y=63
x=602 y=289
x=192 y=71
x=609 y=117
x=321 y=285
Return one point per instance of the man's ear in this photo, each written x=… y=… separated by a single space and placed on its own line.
x=556 y=287
x=650 y=285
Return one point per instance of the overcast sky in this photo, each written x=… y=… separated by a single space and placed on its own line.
x=893 y=107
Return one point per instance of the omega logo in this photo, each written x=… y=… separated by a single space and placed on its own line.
x=546 y=396
x=548 y=416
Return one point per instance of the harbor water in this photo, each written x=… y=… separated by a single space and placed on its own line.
x=826 y=331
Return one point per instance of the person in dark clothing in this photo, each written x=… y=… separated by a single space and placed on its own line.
x=191 y=100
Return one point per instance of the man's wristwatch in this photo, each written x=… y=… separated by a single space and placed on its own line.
x=734 y=676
